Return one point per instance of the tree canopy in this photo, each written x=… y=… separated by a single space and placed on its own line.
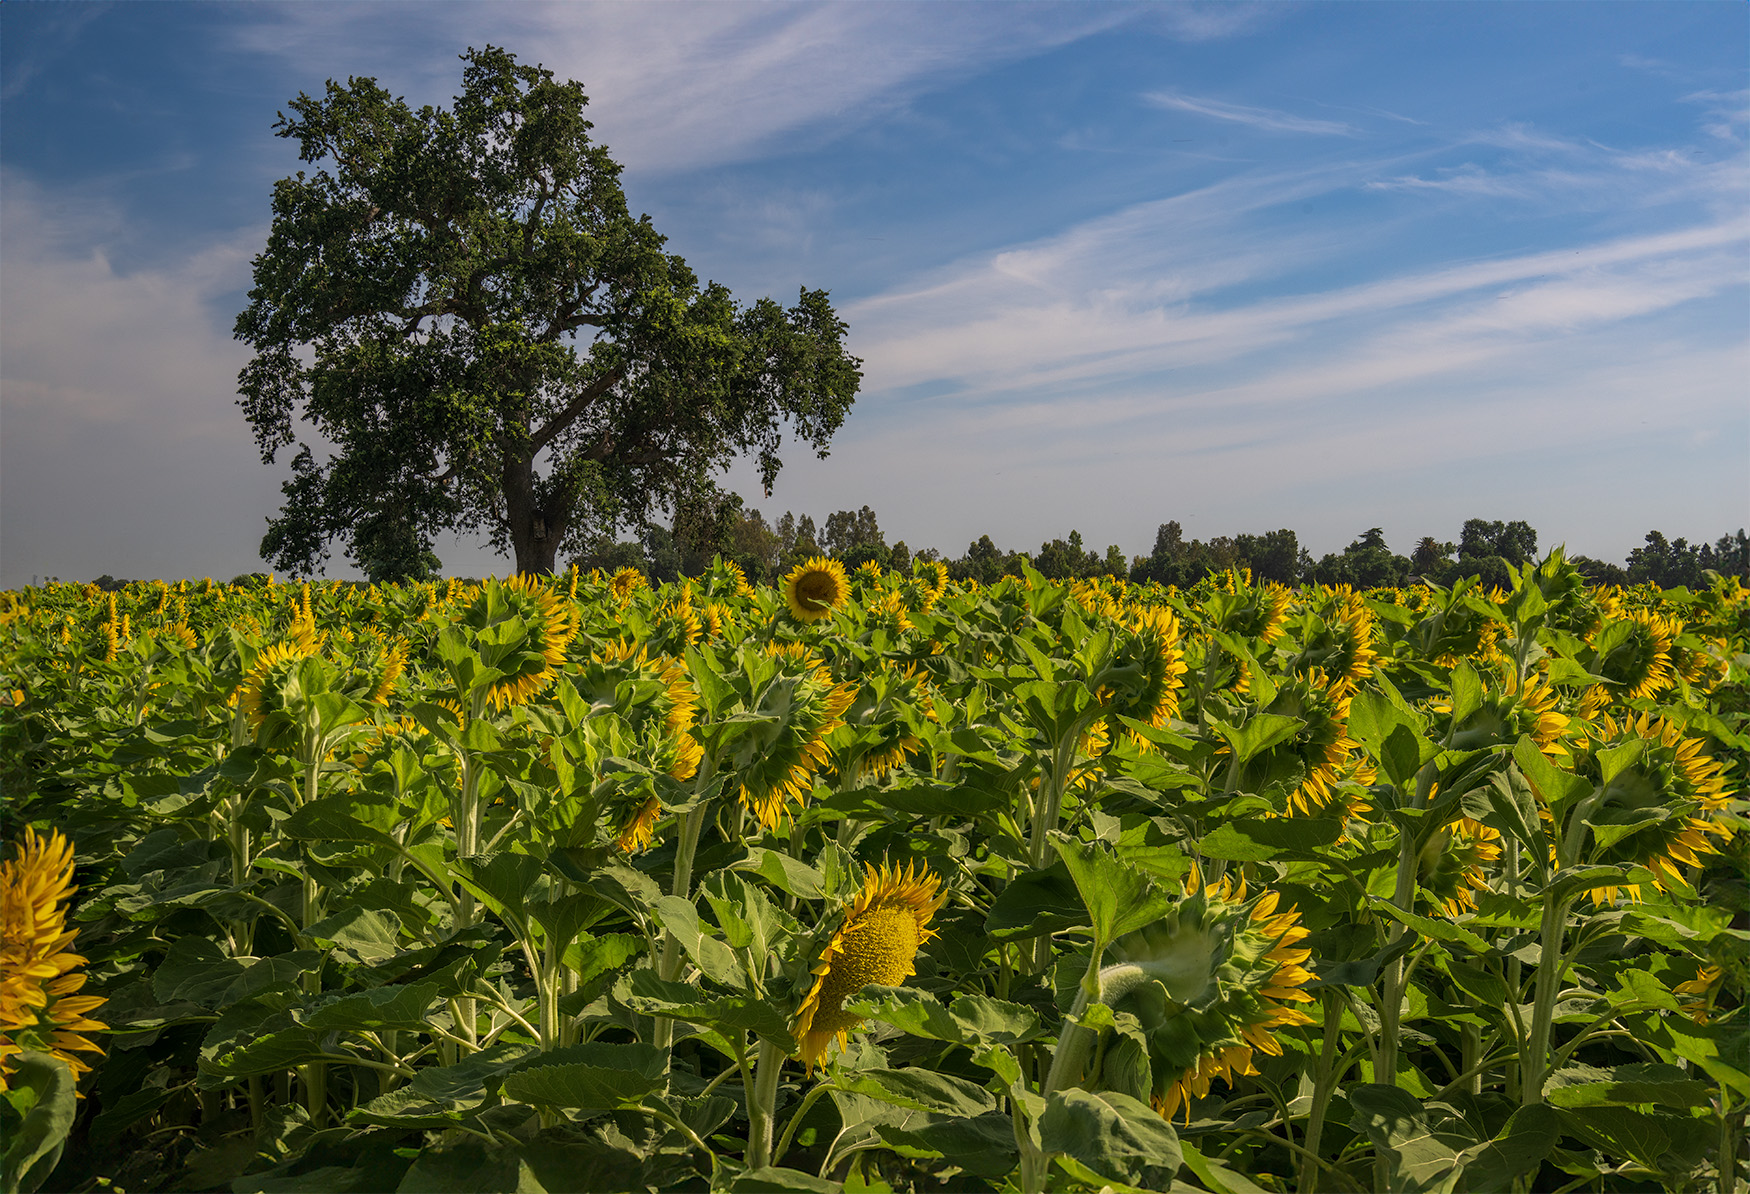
x=484 y=338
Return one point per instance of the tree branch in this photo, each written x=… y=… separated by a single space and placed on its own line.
x=574 y=409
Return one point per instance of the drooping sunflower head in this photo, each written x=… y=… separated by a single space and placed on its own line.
x=1633 y=654
x=1236 y=607
x=1661 y=810
x=812 y=590
x=677 y=625
x=878 y=724
x=1210 y=983
x=1155 y=651
x=625 y=582
x=1510 y=710
x=521 y=628
x=639 y=827
x=1315 y=758
x=40 y=1007
x=1455 y=862
x=876 y=944
x=1344 y=643
x=803 y=704
x=268 y=688
x=651 y=693
x=887 y=611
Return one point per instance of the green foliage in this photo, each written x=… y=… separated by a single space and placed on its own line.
x=455 y=294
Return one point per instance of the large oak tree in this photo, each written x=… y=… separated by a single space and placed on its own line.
x=483 y=337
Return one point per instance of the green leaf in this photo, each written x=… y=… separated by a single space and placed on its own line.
x=1118 y=896
x=41 y=1088
x=651 y=996
x=1391 y=734
x=712 y=956
x=787 y=874
x=921 y=1089
x=1529 y=1135
x=1467 y=692
x=1619 y=1131
x=972 y=1020
x=592 y=1077
x=1219 y=1178
x=1556 y=787
x=979 y=1144
x=1116 y=1137
x=1036 y=902
x=1625 y=1086
x=1260 y=732
x=1421 y=1159
x=774 y=1179
x=1439 y=930
x=1262 y=840
x=1706 y=1045
x=384 y=1007
x=596 y=956
x=365 y=934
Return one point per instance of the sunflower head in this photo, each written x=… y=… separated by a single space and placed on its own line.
x=40 y=1007
x=1509 y=710
x=1344 y=643
x=521 y=628
x=1633 y=654
x=1209 y=983
x=1455 y=862
x=1314 y=760
x=813 y=589
x=1153 y=648
x=1662 y=809
x=625 y=582
x=876 y=943
x=800 y=705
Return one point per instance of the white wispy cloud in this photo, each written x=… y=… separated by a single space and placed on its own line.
x=1259 y=118
x=685 y=85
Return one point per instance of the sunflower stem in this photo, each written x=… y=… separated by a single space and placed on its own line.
x=1324 y=1082
x=763 y=1106
x=1550 y=965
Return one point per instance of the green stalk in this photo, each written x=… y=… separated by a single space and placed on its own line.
x=1549 y=975
x=1324 y=1083
x=762 y=1107
x=669 y=965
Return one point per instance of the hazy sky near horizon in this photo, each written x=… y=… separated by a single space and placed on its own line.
x=1323 y=266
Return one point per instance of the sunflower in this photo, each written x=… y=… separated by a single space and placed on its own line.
x=814 y=589
x=646 y=690
x=260 y=691
x=1239 y=609
x=39 y=1007
x=1209 y=983
x=624 y=582
x=876 y=944
x=1697 y=996
x=529 y=661
x=640 y=828
x=1662 y=808
x=1154 y=649
x=1318 y=753
x=803 y=704
x=1633 y=654
x=1345 y=646
x=1452 y=865
x=888 y=701
x=888 y=611
x=1509 y=711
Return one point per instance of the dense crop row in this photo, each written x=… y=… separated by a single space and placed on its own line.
x=877 y=880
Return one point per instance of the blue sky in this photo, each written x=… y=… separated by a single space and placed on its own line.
x=1323 y=266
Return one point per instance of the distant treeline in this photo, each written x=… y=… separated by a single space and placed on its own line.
x=1485 y=549
x=765 y=552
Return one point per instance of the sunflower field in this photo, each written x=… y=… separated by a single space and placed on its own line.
x=874 y=882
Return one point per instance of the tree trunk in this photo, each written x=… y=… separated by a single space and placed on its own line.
x=534 y=532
